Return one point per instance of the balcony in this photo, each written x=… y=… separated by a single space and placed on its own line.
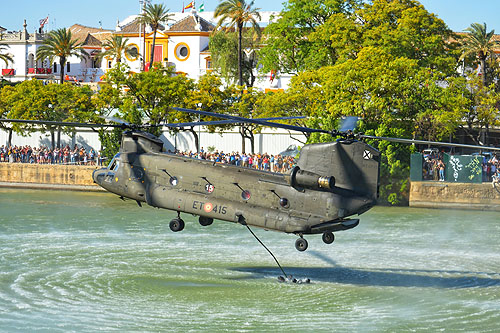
x=39 y=70
x=8 y=72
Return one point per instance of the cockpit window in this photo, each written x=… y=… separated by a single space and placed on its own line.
x=115 y=163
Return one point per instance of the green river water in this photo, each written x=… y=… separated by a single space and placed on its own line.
x=86 y=262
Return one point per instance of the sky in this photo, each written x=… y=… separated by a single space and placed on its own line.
x=457 y=14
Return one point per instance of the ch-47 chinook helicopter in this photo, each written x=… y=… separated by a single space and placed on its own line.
x=329 y=185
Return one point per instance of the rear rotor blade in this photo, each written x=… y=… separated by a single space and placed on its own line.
x=432 y=143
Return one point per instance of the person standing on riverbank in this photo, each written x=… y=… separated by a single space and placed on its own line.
x=441 y=170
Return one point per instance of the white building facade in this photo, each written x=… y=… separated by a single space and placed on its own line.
x=181 y=43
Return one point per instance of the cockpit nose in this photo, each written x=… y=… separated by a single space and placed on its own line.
x=98 y=176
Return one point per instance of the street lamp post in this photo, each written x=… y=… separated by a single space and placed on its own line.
x=199 y=128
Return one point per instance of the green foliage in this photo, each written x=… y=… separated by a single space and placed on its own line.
x=60 y=44
x=207 y=95
x=394 y=166
x=236 y=14
x=152 y=93
x=312 y=34
x=32 y=100
x=224 y=53
x=154 y=15
x=291 y=43
x=404 y=28
x=3 y=56
x=110 y=142
x=479 y=43
x=115 y=47
x=384 y=61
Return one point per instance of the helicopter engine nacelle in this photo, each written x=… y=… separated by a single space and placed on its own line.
x=306 y=179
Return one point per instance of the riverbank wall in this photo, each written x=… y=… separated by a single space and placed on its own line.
x=46 y=176
x=431 y=194
x=425 y=194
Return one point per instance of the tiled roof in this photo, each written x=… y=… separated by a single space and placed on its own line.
x=85 y=35
x=190 y=23
x=102 y=36
x=134 y=26
x=2 y=28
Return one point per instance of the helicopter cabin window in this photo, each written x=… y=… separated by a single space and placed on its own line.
x=114 y=164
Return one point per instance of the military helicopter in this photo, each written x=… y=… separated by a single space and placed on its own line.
x=329 y=185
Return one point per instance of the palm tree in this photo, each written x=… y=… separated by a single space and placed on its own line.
x=478 y=42
x=154 y=15
x=60 y=44
x=5 y=57
x=238 y=13
x=116 y=46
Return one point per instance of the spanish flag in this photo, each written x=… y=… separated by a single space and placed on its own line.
x=189 y=5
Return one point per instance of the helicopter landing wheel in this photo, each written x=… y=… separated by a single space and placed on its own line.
x=176 y=224
x=301 y=244
x=204 y=221
x=328 y=237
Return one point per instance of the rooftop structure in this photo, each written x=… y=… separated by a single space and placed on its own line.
x=181 y=43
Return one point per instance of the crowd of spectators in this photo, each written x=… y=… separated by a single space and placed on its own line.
x=81 y=156
x=491 y=165
x=433 y=165
x=44 y=155
x=264 y=161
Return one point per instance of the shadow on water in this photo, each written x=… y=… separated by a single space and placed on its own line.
x=380 y=277
x=384 y=277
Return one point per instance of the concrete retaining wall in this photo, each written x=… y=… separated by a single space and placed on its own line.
x=454 y=195
x=74 y=177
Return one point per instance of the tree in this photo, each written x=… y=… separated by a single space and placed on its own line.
x=115 y=47
x=152 y=93
x=404 y=28
x=60 y=44
x=480 y=43
x=311 y=34
x=5 y=57
x=247 y=104
x=304 y=97
x=154 y=15
x=32 y=100
x=479 y=105
x=207 y=95
x=5 y=106
x=224 y=52
x=288 y=46
x=238 y=13
x=394 y=96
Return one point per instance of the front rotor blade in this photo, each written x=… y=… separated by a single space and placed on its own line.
x=223 y=122
x=254 y=121
x=424 y=142
x=57 y=123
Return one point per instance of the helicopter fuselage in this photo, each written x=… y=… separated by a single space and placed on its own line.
x=226 y=192
x=312 y=198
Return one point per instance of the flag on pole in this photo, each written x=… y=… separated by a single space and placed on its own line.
x=189 y=5
x=44 y=21
x=202 y=7
x=272 y=76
